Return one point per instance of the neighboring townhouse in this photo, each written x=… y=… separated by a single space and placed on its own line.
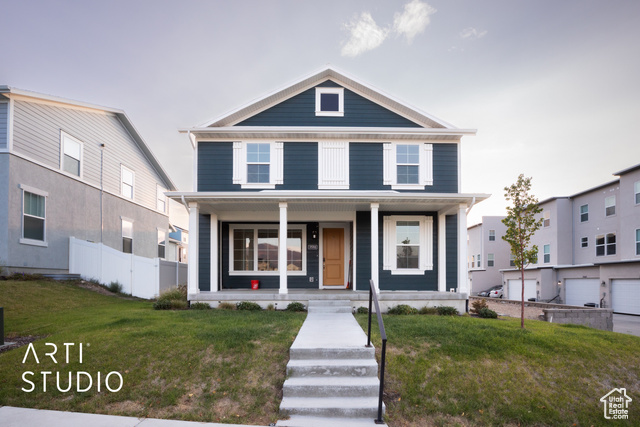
x=487 y=253
x=589 y=248
x=71 y=169
x=321 y=187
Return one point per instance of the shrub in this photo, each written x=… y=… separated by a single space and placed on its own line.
x=403 y=309
x=478 y=305
x=164 y=304
x=296 y=306
x=248 y=305
x=447 y=311
x=271 y=307
x=226 y=306
x=115 y=287
x=362 y=310
x=429 y=310
x=487 y=313
x=199 y=306
x=179 y=293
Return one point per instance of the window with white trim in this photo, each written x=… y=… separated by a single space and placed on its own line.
x=408 y=244
x=546 y=218
x=33 y=216
x=492 y=235
x=479 y=262
x=408 y=166
x=254 y=249
x=162 y=243
x=127 y=178
x=606 y=244
x=491 y=260
x=546 y=254
x=330 y=101
x=71 y=158
x=512 y=260
x=258 y=164
x=610 y=206
x=127 y=236
x=584 y=213
x=161 y=199
x=636 y=191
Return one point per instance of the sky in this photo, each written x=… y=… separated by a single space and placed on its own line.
x=552 y=87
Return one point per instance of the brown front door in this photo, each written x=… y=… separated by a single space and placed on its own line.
x=333 y=255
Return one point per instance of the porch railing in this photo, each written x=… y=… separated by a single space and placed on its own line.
x=373 y=297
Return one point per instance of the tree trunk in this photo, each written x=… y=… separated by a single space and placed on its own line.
x=522 y=299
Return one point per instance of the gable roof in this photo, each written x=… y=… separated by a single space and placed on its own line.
x=7 y=91
x=367 y=91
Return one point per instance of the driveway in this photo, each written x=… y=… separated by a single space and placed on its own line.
x=626 y=324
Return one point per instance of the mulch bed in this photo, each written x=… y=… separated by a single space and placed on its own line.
x=19 y=342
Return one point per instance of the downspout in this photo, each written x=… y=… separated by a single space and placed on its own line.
x=473 y=202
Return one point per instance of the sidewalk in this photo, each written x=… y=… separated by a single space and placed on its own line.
x=25 y=417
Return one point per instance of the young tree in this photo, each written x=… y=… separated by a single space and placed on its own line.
x=521 y=226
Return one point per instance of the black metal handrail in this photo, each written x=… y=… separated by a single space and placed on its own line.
x=383 y=334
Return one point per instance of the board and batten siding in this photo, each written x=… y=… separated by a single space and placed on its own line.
x=36 y=134
x=300 y=110
x=4 y=124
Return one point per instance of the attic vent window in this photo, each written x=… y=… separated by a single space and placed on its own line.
x=330 y=101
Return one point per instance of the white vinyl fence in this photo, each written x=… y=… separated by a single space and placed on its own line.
x=139 y=276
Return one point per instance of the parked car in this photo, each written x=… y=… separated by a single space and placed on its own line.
x=496 y=293
x=486 y=293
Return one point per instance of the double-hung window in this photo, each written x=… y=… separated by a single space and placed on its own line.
x=127 y=177
x=490 y=260
x=547 y=254
x=162 y=242
x=71 y=159
x=637 y=241
x=606 y=244
x=408 y=166
x=584 y=213
x=255 y=249
x=546 y=218
x=584 y=242
x=636 y=191
x=33 y=216
x=492 y=235
x=258 y=164
x=408 y=244
x=127 y=236
x=610 y=206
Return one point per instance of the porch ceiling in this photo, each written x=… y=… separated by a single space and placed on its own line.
x=325 y=201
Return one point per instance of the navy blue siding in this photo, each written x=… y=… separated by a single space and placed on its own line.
x=366 y=166
x=451 y=226
x=272 y=282
x=300 y=110
x=389 y=282
x=445 y=169
x=204 y=255
x=215 y=167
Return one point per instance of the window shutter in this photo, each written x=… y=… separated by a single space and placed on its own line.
x=389 y=160
x=277 y=163
x=426 y=164
x=239 y=163
x=388 y=246
x=333 y=165
x=426 y=263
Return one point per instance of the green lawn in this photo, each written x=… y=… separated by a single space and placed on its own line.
x=221 y=366
x=471 y=371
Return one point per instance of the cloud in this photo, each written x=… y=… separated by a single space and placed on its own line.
x=472 y=33
x=413 y=20
x=365 y=35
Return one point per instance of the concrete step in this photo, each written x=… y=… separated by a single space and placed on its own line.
x=329 y=309
x=331 y=387
x=332 y=353
x=331 y=407
x=329 y=303
x=306 y=421
x=331 y=368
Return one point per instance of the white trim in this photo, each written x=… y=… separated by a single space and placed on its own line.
x=160 y=195
x=33 y=190
x=44 y=195
x=425 y=260
x=195 y=161
x=425 y=165
x=192 y=255
x=442 y=252
x=463 y=275
x=34 y=242
x=333 y=165
x=330 y=90
x=347 y=245
x=166 y=239
x=122 y=183
x=282 y=248
x=64 y=137
x=375 y=242
x=213 y=259
x=276 y=164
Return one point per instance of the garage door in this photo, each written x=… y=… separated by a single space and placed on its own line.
x=515 y=289
x=625 y=296
x=581 y=291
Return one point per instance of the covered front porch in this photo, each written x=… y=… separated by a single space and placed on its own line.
x=227 y=229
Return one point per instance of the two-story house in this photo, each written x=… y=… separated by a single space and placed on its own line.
x=72 y=169
x=324 y=185
x=589 y=248
x=487 y=253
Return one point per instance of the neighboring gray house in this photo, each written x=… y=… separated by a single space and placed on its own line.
x=487 y=253
x=589 y=248
x=71 y=169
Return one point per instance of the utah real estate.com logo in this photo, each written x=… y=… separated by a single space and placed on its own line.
x=616 y=404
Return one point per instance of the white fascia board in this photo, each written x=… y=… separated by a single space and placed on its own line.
x=327 y=131
x=55 y=99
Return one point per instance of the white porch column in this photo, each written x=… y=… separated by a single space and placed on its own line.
x=213 y=262
x=282 y=249
x=463 y=275
x=374 y=246
x=192 y=286
x=442 y=252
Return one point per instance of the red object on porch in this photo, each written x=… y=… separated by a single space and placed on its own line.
x=255 y=284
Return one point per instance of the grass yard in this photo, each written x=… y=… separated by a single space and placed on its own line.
x=470 y=371
x=213 y=365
